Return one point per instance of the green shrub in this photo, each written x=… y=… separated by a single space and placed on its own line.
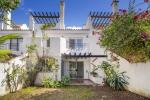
x=46 y=26
x=47 y=82
x=65 y=80
x=129 y=37
x=50 y=83
x=115 y=79
x=4 y=55
x=14 y=76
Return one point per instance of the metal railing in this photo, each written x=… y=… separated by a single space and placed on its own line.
x=77 y=47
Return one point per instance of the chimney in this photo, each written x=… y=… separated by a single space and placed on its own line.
x=62 y=14
x=115 y=6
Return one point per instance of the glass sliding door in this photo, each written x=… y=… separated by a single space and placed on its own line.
x=76 y=70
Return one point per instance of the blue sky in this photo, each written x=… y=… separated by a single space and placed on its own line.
x=76 y=11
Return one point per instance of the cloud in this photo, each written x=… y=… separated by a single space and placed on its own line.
x=74 y=27
x=28 y=10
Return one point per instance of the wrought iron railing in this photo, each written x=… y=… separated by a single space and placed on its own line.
x=77 y=47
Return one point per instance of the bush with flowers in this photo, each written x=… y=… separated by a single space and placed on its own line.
x=129 y=36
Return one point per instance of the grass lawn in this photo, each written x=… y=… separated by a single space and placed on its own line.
x=72 y=93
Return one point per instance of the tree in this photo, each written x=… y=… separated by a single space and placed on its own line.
x=7 y=37
x=6 y=6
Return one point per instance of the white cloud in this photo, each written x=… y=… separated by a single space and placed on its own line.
x=74 y=27
x=30 y=10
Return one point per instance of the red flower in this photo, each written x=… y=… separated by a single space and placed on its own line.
x=146 y=1
x=135 y=18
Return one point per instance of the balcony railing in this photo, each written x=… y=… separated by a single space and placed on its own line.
x=77 y=47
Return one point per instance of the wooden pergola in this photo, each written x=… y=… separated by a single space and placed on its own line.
x=46 y=17
x=100 y=19
x=81 y=55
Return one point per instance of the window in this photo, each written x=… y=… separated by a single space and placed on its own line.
x=79 y=43
x=72 y=43
x=48 y=42
x=15 y=43
x=75 y=43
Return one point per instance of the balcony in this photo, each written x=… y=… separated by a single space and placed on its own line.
x=77 y=48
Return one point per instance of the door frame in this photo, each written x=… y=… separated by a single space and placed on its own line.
x=75 y=64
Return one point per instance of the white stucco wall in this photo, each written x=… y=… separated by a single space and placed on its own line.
x=138 y=73
x=17 y=61
x=43 y=75
x=94 y=47
x=99 y=79
x=139 y=76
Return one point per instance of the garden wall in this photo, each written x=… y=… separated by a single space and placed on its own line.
x=16 y=61
x=139 y=76
x=43 y=75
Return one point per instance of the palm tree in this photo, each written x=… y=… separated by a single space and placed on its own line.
x=7 y=37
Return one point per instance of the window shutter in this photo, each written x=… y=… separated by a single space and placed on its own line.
x=48 y=42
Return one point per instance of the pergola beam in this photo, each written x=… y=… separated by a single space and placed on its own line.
x=100 y=19
x=45 y=17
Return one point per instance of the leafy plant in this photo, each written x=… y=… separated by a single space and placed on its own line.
x=129 y=36
x=31 y=75
x=5 y=55
x=50 y=83
x=31 y=48
x=46 y=26
x=65 y=80
x=93 y=72
x=14 y=76
x=8 y=37
x=8 y=5
x=49 y=64
x=114 y=78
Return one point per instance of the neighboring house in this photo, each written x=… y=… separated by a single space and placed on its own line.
x=76 y=49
